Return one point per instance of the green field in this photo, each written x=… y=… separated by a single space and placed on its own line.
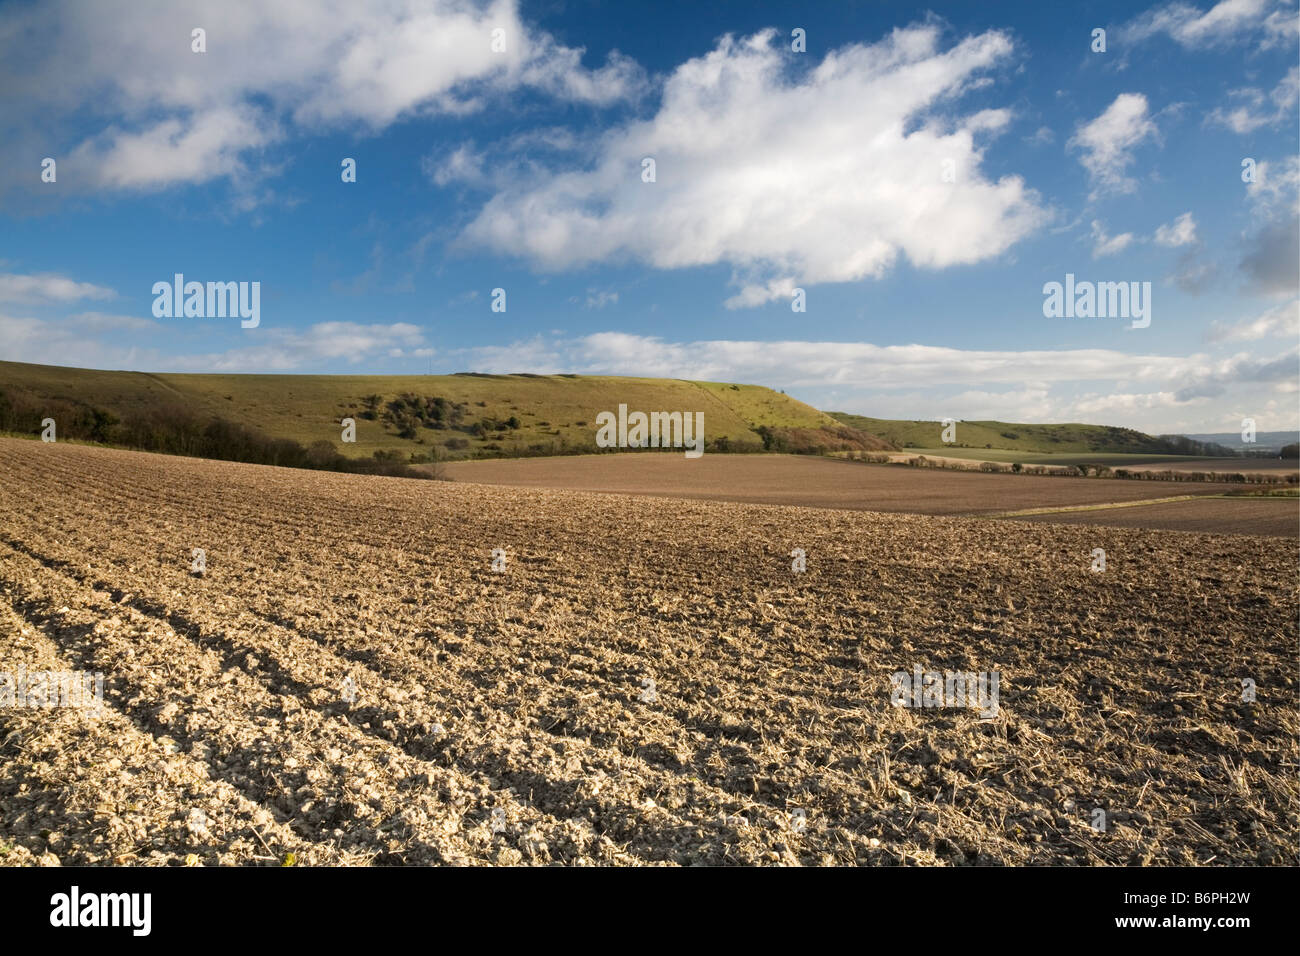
x=554 y=414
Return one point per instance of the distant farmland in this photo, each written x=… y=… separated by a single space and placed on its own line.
x=832 y=483
x=1133 y=461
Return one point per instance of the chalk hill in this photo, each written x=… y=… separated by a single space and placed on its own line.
x=435 y=416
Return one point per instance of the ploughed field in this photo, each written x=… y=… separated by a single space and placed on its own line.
x=833 y=483
x=1278 y=517
x=648 y=681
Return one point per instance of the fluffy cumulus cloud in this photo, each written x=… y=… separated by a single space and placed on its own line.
x=171 y=115
x=825 y=176
x=1106 y=144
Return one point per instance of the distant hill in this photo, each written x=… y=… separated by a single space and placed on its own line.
x=1041 y=439
x=1265 y=443
x=444 y=416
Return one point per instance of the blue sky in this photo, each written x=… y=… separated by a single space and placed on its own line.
x=919 y=172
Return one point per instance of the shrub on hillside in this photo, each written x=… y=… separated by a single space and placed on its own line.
x=174 y=430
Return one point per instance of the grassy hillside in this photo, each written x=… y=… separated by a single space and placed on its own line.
x=1039 y=439
x=479 y=415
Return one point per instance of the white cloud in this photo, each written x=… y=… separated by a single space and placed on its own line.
x=1107 y=143
x=285 y=350
x=1099 y=385
x=195 y=148
x=103 y=322
x=774 y=175
x=1271 y=263
x=529 y=355
x=1106 y=245
x=1180 y=232
x=1281 y=321
x=164 y=114
x=1276 y=189
x=1215 y=378
x=48 y=287
x=1228 y=21
x=1144 y=391
x=599 y=298
x=820 y=363
x=46 y=342
x=1252 y=111
x=754 y=293
x=558 y=70
x=1043 y=136
x=462 y=164
x=465 y=298
x=66 y=342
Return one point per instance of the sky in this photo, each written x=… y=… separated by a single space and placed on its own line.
x=860 y=203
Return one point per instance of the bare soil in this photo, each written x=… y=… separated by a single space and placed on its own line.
x=831 y=483
x=508 y=717
x=1276 y=517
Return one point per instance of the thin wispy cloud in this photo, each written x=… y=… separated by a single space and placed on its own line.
x=1266 y=22
x=1281 y=321
x=1180 y=232
x=48 y=287
x=1104 y=244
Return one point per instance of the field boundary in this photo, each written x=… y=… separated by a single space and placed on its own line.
x=1129 y=504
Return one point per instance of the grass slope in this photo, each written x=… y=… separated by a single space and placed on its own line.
x=1090 y=440
x=555 y=413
